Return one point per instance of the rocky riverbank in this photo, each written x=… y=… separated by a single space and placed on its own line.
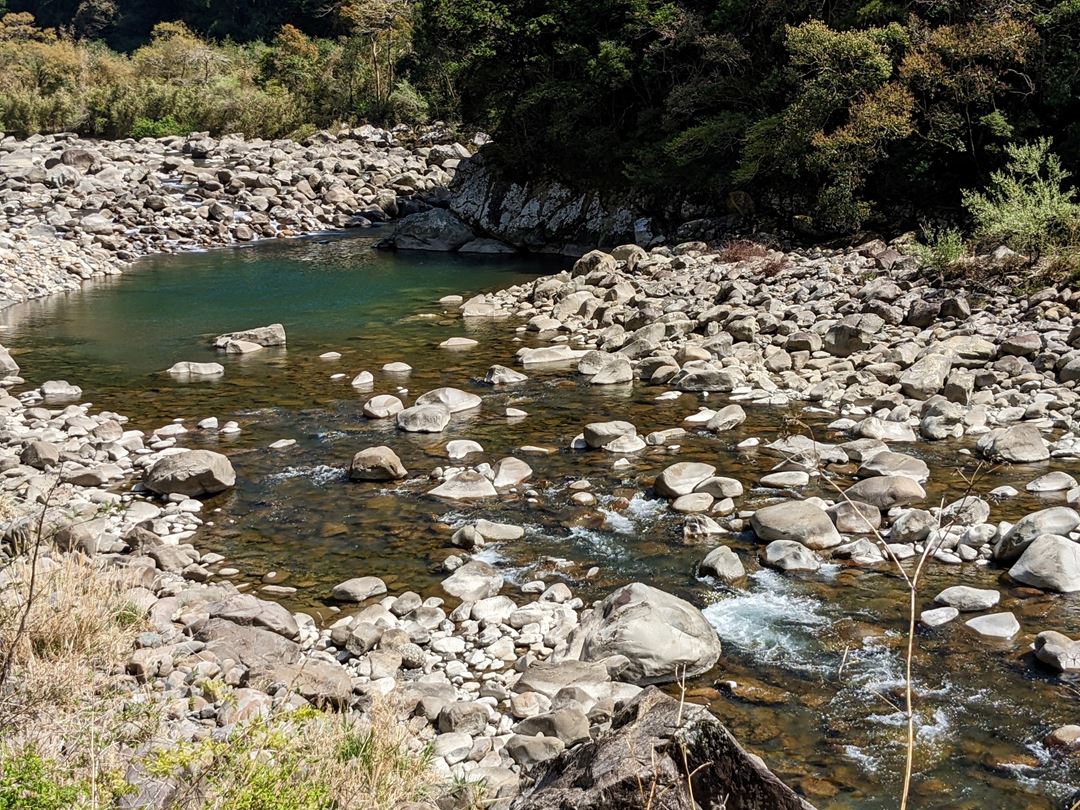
x=493 y=689
x=523 y=686
x=75 y=209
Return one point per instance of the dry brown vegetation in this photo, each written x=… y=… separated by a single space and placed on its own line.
x=741 y=250
x=72 y=723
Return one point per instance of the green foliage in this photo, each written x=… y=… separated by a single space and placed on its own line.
x=28 y=782
x=1027 y=205
x=178 y=81
x=940 y=248
x=157 y=127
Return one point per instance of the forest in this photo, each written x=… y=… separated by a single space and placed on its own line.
x=832 y=116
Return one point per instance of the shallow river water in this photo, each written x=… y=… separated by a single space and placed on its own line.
x=818 y=659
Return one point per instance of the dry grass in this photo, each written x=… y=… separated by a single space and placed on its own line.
x=71 y=723
x=741 y=250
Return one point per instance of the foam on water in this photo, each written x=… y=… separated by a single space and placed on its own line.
x=638 y=514
x=772 y=623
x=318 y=474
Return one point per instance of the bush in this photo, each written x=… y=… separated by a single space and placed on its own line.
x=940 y=248
x=158 y=127
x=28 y=782
x=1026 y=206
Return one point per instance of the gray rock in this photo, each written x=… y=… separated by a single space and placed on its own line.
x=935 y=617
x=465 y=486
x=1057 y=651
x=358 y=589
x=662 y=635
x=473 y=581
x=377 y=464
x=798 y=521
x=788 y=555
x=196 y=474
x=1056 y=520
x=967 y=599
x=682 y=478
x=424 y=419
x=668 y=739
x=272 y=335
x=597 y=434
x=723 y=564
x=1019 y=444
x=437 y=229
x=995 y=625
x=886 y=492
x=1050 y=562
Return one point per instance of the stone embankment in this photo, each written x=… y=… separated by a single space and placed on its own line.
x=75 y=209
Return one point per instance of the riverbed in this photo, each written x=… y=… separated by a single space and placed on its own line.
x=818 y=658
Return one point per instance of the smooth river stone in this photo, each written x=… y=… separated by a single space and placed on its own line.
x=383 y=406
x=424 y=419
x=459 y=343
x=465 y=486
x=453 y=399
x=995 y=625
x=460 y=448
x=186 y=368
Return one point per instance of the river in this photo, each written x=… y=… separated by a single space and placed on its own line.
x=818 y=658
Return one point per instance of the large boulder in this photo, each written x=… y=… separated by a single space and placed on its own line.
x=1056 y=520
x=1019 y=444
x=681 y=752
x=1051 y=562
x=196 y=474
x=797 y=521
x=664 y=637
x=681 y=478
x=424 y=419
x=377 y=464
x=437 y=229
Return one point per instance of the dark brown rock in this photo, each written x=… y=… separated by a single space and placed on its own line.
x=652 y=746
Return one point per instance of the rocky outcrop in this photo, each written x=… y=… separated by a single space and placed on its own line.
x=542 y=216
x=662 y=755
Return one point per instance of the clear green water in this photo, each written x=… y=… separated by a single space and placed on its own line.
x=821 y=652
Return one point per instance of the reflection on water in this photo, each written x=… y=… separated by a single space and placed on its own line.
x=819 y=658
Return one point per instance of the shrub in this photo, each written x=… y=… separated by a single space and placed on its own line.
x=157 y=127
x=940 y=248
x=28 y=782
x=1026 y=206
